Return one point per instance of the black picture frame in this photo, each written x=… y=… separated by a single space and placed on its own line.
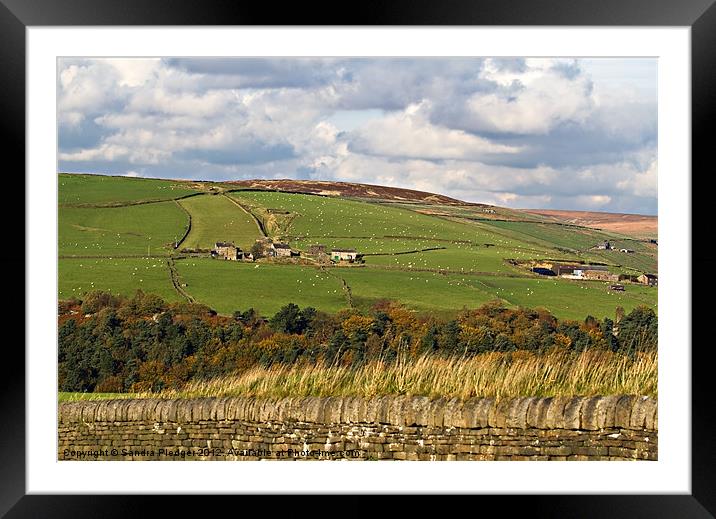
x=700 y=15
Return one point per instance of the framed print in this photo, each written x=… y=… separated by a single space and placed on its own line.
x=431 y=237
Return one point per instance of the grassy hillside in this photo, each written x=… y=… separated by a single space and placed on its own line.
x=216 y=218
x=582 y=242
x=76 y=189
x=569 y=299
x=318 y=217
x=468 y=264
x=130 y=230
x=117 y=275
x=227 y=286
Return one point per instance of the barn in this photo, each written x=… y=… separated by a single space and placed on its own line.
x=648 y=279
x=349 y=255
x=227 y=251
x=281 y=250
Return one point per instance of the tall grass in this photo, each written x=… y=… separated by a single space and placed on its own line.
x=498 y=375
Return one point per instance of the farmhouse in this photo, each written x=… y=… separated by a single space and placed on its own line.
x=281 y=250
x=349 y=255
x=648 y=279
x=605 y=246
x=626 y=250
x=227 y=251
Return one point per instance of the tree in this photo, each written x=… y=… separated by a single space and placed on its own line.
x=257 y=250
x=337 y=344
x=290 y=319
x=639 y=330
x=429 y=341
x=449 y=341
x=607 y=329
x=249 y=318
x=96 y=300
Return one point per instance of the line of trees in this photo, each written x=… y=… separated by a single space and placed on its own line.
x=111 y=343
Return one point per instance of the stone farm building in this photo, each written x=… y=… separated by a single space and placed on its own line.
x=595 y=272
x=349 y=255
x=599 y=274
x=227 y=251
x=648 y=279
x=561 y=269
x=281 y=250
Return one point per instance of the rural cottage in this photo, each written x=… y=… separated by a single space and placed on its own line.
x=227 y=251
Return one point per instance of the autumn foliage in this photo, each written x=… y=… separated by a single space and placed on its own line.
x=115 y=344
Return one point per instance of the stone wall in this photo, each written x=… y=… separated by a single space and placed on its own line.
x=397 y=428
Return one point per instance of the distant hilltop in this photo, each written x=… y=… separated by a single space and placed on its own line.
x=631 y=224
x=347 y=189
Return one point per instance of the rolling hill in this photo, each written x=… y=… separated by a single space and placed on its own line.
x=430 y=252
x=629 y=224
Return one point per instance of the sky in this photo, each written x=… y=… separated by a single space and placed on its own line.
x=577 y=134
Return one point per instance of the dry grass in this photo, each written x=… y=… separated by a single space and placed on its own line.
x=487 y=375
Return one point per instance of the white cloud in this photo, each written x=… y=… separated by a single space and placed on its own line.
x=642 y=184
x=134 y=72
x=533 y=101
x=410 y=134
x=534 y=132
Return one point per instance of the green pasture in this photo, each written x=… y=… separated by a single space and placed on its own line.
x=457 y=258
x=215 y=218
x=570 y=299
x=371 y=228
x=123 y=276
x=136 y=229
x=427 y=291
x=471 y=212
x=579 y=239
x=321 y=217
x=227 y=286
x=626 y=262
x=99 y=189
x=555 y=235
x=369 y=245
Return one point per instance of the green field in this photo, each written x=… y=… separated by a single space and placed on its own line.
x=98 y=189
x=370 y=245
x=565 y=298
x=581 y=241
x=130 y=230
x=215 y=218
x=578 y=239
x=119 y=276
x=320 y=217
x=470 y=267
x=457 y=258
x=419 y=290
x=379 y=229
x=227 y=286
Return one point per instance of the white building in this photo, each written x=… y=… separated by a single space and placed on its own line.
x=349 y=255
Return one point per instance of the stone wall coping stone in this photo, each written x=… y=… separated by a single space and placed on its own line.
x=633 y=412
